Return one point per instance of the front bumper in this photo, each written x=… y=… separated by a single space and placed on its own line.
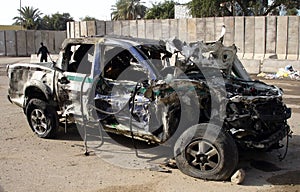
x=269 y=142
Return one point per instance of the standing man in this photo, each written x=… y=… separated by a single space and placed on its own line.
x=44 y=51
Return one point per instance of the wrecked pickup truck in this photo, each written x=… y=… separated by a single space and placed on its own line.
x=195 y=97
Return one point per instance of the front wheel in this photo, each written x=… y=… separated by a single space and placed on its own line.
x=42 y=118
x=205 y=151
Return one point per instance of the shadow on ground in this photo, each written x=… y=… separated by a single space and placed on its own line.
x=262 y=168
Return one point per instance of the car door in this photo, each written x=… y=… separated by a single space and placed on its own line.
x=120 y=92
x=76 y=79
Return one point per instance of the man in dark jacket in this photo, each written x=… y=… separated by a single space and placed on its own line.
x=44 y=51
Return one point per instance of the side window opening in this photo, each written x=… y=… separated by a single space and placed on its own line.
x=155 y=57
x=120 y=64
x=79 y=58
x=162 y=60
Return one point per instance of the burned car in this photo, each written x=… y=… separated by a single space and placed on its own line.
x=196 y=98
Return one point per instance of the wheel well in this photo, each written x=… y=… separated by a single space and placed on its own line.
x=34 y=92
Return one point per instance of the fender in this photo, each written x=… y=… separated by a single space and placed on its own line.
x=37 y=89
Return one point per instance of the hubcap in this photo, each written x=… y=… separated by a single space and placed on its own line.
x=202 y=155
x=39 y=121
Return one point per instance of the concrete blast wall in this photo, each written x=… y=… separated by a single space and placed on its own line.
x=25 y=43
x=258 y=38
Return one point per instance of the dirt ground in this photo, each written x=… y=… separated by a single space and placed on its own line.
x=28 y=163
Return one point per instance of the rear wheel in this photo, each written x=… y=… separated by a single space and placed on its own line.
x=42 y=118
x=205 y=151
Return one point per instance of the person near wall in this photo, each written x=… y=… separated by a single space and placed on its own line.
x=43 y=50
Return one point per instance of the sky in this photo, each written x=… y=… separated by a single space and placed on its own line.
x=100 y=9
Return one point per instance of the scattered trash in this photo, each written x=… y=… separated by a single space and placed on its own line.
x=287 y=72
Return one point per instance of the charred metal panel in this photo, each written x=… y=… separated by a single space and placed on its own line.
x=23 y=76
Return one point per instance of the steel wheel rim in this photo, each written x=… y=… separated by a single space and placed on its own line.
x=202 y=155
x=39 y=121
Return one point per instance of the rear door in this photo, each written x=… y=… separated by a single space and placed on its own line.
x=76 y=80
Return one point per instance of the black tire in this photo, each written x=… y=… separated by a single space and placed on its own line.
x=42 y=118
x=205 y=151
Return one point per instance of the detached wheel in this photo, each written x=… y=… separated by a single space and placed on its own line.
x=42 y=118
x=205 y=151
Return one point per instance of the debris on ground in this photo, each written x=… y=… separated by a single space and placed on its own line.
x=238 y=177
x=171 y=163
x=287 y=72
x=160 y=168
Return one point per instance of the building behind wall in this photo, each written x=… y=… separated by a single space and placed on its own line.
x=182 y=12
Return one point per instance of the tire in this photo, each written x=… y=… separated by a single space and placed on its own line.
x=205 y=151
x=42 y=118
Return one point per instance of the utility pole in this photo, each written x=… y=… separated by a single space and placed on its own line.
x=20 y=14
